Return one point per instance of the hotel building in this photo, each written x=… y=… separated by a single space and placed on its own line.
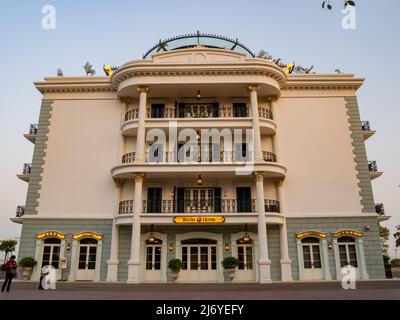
x=201 y=151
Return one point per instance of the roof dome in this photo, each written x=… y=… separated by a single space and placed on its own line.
x=203 y=39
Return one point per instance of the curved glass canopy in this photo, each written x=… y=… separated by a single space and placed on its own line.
x=203 y=39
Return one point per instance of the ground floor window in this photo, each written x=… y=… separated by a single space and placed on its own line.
x=347 y=252
x=311 y=253
x=87 y=254
x=51 y=252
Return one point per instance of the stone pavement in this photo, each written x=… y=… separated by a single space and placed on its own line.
x=381 y=290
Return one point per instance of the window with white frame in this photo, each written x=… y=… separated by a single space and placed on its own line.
x=51 y=252
x=347 y=251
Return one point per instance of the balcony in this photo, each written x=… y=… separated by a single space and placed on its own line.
x=20 y=211
x=26 y=172
x=226 y=164
x=31 y=136
x=197 y=157
x=366 y=130
x=380 y=209
x=199 y=116
x=373 y=170
x=224 y=206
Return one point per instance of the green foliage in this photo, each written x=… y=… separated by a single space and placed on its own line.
x=8 y=246
x=397 y=236
x=175 y=265
x=27 y=262
x=384 y=233
x=230 y=263
x=386 y=259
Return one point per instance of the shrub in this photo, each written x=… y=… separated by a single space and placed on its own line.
x=395 y=263
x=27 y=262
x=175 y=265
x=230 y=263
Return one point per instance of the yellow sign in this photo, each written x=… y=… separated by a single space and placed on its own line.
x=93 y=235
x=347 y=233
x=311 y=233
x=53 y=234
x=199 y=219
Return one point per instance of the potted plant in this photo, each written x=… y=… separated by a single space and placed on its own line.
x=27 y=263
x=230 y=264
x=176 y=266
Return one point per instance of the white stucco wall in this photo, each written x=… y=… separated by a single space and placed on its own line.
x=316 y=147
x=81 y=149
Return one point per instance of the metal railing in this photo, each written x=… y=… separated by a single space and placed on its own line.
x=269 y=156
x=199 y=111
x=33 y=129
x=380 y=209
x=199 y=206
x=20 y=211
x=27 y=168
x=372 y=166
x=129 y=157
x=271 y=206
x=365 y=126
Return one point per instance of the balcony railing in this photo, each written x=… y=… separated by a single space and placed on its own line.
x=198 y=206
x=365 y=126
x=380 y=209
x=20 y=211
x=129 y=157
x=198 y=111
x=265 y=113
x=197 y=157
x=372 y=166
x=27 y=168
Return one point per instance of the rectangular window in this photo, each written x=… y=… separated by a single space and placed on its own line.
x=157 y=258
x=239 y=110
x=184 y=258
x=307 y=257
x=149 y=258
x=241 y=257
x=157 y=110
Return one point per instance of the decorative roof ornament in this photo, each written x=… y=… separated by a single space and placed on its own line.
x=204 y=39
x=109 y=70
x=60 y=72
x=89 y=69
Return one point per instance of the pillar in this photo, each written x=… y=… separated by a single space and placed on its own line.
x=141 y=129
x=134 y=261
x=258 y=156
x=112 y=264
x=286 y=262
x=275 y=137
x=264 y=264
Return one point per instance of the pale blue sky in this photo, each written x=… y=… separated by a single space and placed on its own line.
x=114 y=32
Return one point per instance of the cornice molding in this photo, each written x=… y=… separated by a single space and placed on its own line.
x=323 y=82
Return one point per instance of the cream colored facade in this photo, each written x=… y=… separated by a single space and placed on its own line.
x=302 y=174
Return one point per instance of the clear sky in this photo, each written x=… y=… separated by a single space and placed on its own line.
x=114 y=32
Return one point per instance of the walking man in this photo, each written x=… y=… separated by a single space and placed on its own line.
x=11 y=272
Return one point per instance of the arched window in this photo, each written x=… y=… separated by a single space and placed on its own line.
x=51 y=252
x=347 y=251
x=311 y=253
x=87 y=254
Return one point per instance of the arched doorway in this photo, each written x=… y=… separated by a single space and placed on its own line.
x=153 y=260
x=87 y=258
x=312 y=262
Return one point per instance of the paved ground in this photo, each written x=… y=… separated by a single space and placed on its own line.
x=382 y=290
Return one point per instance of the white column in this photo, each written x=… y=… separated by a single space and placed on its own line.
x=134 y=262
x=364 y=274
x=112 y=264
x=141 y=129
x=275 y=137
x=286 y=263
x=264 y=264
x=325 y=260
x=256 y=123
